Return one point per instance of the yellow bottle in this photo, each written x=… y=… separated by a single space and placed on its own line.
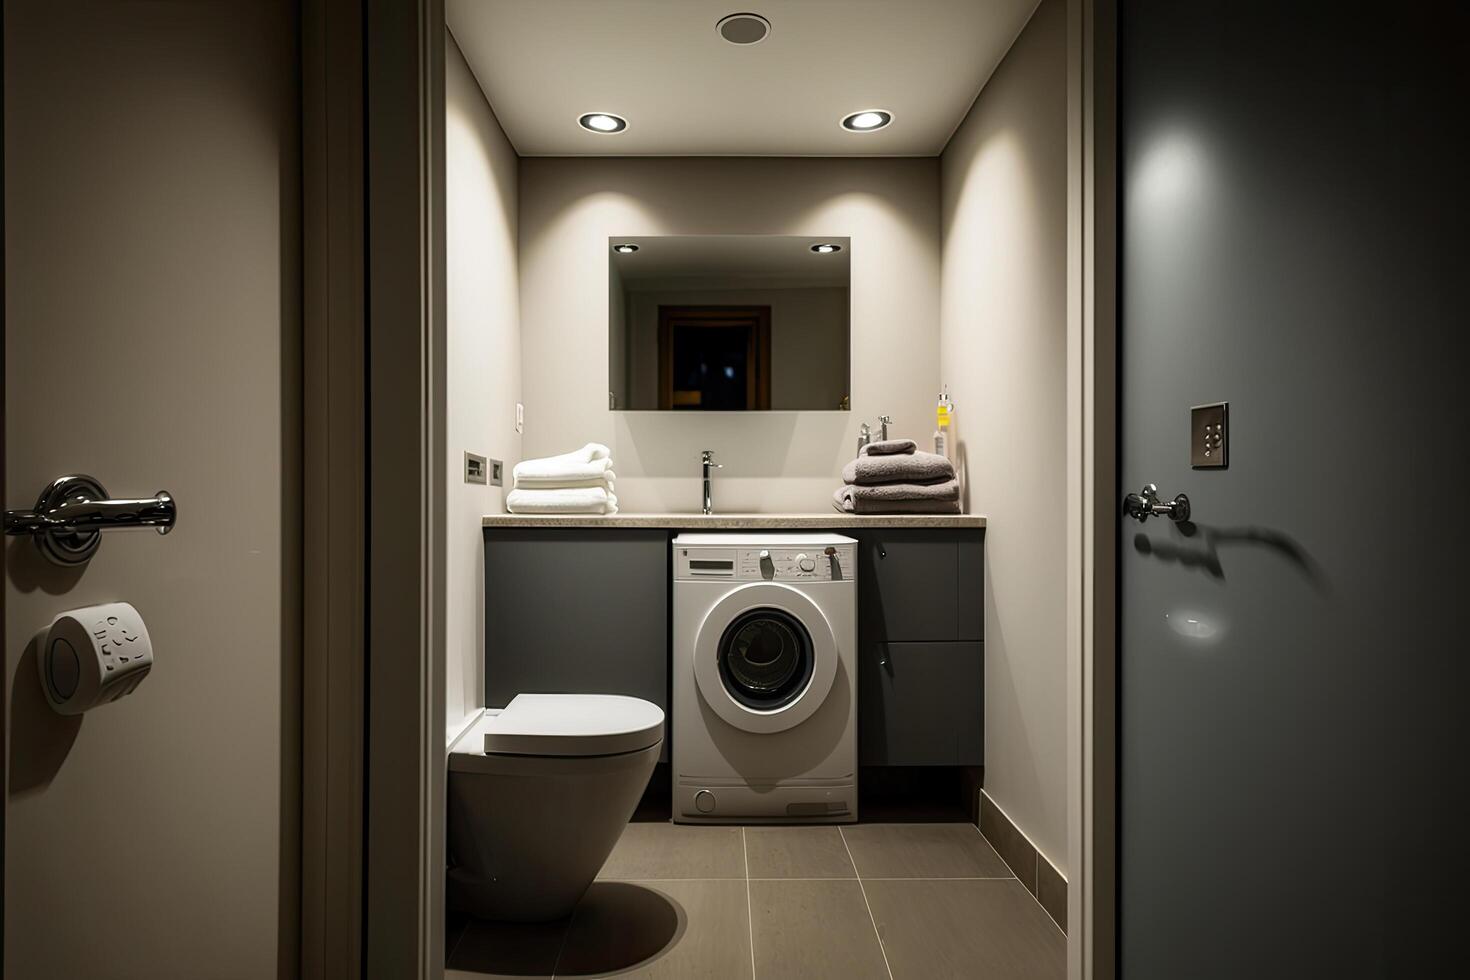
x=943 y=441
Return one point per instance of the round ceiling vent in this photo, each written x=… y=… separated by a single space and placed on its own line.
x=743 y=28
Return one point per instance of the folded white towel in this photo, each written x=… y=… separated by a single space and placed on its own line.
x=603 y=479
x=591 y=461
x=572 y=500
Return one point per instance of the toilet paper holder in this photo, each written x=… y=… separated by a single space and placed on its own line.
x=73 y=511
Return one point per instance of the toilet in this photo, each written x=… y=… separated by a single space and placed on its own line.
x=538 y=795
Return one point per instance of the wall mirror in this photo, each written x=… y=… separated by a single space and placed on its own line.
x=728 y=323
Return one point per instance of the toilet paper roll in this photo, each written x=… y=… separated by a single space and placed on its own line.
x=94 y=655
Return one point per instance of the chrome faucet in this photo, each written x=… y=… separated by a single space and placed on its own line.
x=883 y=422
x=707 y=460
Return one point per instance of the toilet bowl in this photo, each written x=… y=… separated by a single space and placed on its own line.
x=538 y=795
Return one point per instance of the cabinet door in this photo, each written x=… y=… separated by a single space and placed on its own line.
x=971 y=583
x=922 y=704
x=576 y=612
x=908 y=583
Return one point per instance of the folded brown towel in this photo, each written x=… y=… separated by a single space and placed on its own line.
x=913 y=468
x=899 y=498
x=889 y=447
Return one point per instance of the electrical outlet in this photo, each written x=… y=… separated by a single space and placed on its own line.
x=474 y=469
x=520 y=417
x=497 y=473
x=1209 y=436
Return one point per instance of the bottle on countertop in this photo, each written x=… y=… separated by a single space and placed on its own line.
x=944 y=426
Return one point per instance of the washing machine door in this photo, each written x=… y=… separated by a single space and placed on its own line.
x=765 y=657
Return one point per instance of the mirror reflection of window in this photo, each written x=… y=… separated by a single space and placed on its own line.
x=729 y=323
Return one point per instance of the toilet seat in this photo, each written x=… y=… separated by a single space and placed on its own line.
x=560 y=725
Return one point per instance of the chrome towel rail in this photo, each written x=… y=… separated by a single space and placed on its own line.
x=73 y=511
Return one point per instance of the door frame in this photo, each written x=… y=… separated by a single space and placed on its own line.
x=758 y=356
x=374 y=501
x=374 y=725
x=1092 y=448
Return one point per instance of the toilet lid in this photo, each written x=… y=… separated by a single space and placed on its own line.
x=566 y=725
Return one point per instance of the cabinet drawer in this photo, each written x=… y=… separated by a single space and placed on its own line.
x=908 y=582
x=922 y=704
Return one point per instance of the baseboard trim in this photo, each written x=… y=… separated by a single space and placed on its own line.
x=1032 y=868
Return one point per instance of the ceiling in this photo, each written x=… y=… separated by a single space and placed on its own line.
x=685 y=91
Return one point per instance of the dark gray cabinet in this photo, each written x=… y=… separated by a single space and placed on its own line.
x=921 y=704
x=586 y=610
x=921 y=678
x=574 y=610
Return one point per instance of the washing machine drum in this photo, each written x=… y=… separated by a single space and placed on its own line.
x=765 y=658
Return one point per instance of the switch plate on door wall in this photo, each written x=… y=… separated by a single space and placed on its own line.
x=1209 y=436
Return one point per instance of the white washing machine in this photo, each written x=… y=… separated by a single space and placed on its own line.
x=765 y=678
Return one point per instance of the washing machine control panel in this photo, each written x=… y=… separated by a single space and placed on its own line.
x=754 y=564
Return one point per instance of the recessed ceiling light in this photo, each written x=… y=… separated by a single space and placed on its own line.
x=602 y=122
x=867 y=120
x=625 y=248
x=744 y=28
x=826 y=248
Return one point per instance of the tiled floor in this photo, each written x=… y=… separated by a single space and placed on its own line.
x=867 y=901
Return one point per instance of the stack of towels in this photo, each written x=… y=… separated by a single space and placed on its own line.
x=579 y=482
x=893 y=477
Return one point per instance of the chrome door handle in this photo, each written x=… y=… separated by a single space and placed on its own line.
x=1145 y=504
x=73 y=511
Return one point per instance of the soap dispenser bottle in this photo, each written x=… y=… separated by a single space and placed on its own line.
x=943 y=432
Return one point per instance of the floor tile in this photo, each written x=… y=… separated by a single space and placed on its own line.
x=797 y=852
x=966 y=929
x=814 y=930
x=664 y=850
x=922 y=850
x=660 y=929
x=507 y=949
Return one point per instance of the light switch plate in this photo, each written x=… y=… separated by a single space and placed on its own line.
x=1209 y=436
x=497 y=473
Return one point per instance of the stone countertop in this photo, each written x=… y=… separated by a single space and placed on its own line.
x=735 y=522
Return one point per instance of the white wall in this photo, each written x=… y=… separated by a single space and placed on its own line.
x=1003 y=351
x=484 y=354
x=777 y=461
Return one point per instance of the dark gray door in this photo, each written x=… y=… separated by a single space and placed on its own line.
x=1294 y=222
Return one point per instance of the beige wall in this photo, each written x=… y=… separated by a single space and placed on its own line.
x=484 y=355
x=780 y=461
x=152 y=236
x=1003 y=351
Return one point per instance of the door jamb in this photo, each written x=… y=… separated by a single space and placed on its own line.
x=334 y=531
x=404 y=876
x=373 y=698
x=1092 y=443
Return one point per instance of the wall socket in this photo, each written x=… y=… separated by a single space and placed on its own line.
x=1209 y=436
x=478 y=469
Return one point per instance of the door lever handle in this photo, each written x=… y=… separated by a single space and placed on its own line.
x=1145 y=504
x=73 y=511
